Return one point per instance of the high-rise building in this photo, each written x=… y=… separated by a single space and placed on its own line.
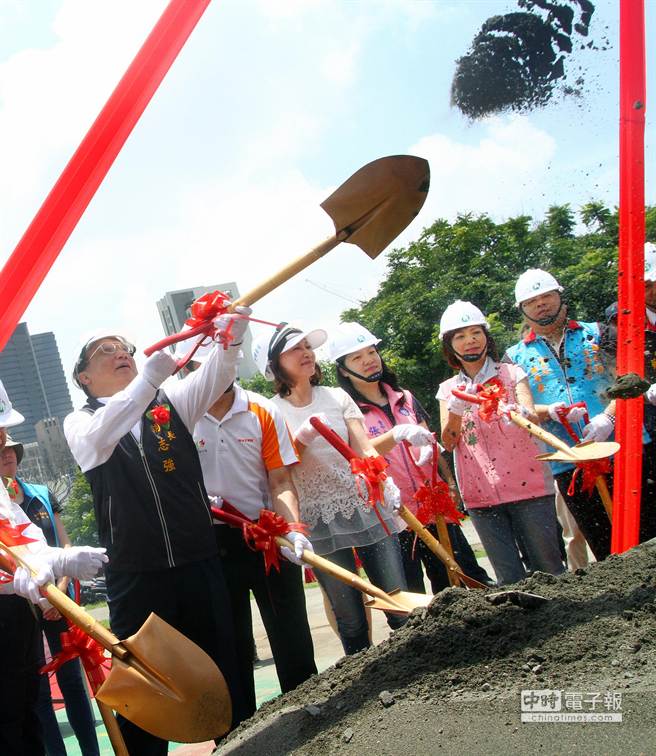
x=53 y=447
x=174 y=310
x=32 y=373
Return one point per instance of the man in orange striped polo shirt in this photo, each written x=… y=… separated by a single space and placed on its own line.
x=245 y=452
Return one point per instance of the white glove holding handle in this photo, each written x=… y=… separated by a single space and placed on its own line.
x=239 y=325
x=457 y=406
x=158 y=367
x=79 y=562
x=391 y=494
x=575 y=414
x=28 y=586
x=599 y=428
x=416 y=435
x=301 y=543
x=307 y=433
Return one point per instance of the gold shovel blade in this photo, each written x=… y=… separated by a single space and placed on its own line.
x=168 y=686
x=586 y=451
x=401 y=602
x=379 y=201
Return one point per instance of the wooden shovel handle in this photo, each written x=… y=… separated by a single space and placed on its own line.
x=445 y=541
x=113 y=730
x=350 y=578
x=539 y=432
x=289 y=271
x=604 y=495
x=433 y=544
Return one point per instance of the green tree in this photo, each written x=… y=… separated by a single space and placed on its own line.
x=78 y=515
x=476 y=259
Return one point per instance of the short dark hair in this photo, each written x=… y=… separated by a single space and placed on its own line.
x=450 y=353
x=283 y=384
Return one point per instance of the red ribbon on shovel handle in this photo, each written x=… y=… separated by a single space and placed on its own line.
x=368 y=470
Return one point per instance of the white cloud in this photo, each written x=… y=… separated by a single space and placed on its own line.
x=339 y=66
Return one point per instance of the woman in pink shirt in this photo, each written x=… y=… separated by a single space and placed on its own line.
x=507 y=492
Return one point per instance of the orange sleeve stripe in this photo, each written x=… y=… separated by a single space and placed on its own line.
x=270 y=446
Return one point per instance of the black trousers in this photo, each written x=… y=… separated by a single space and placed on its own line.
x=20 y=636
x=280 y=598
x=589 y=512
x=435 y=570
x=193 y=599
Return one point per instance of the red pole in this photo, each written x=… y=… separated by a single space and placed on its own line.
x=37 y=250
x=631 y=286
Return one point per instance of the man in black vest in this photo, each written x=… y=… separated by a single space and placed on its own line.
x=133 y=442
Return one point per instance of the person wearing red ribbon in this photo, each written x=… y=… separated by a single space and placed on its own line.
x=151 y=506
x=246 y=454
x=508 y=494
x=42 y=507
x=20 y=729
x=338 y=514
x=395 y=421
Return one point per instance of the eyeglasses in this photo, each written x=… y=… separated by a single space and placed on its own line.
x=111 y=347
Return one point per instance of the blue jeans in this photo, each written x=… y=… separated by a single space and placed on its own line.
x=384 y=567
x=532 y=523
x=70 y=679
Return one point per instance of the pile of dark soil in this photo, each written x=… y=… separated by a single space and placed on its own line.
x=450 y=680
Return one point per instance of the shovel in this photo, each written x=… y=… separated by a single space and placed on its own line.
x=404 y=513
x=369 y=209
x=159 y=680
x=586 y=451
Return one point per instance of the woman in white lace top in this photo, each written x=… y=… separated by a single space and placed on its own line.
x=329 y=501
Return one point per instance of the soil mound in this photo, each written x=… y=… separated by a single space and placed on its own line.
x=450 y=680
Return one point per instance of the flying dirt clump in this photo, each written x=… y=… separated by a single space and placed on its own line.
x=517 y=60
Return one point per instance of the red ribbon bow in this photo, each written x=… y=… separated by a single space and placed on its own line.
x=76 y=643
x=434 y=500
x=589 y=472
x=261 y=536
x=206 y=309
x=370 y=475
x=12 y=535
x=491 y=392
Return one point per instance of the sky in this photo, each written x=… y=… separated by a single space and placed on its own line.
x=269 y=107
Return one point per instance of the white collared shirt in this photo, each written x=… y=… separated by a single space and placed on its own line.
x=237 y=452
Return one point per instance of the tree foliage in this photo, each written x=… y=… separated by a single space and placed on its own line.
x=78 y=514
x=479 y=260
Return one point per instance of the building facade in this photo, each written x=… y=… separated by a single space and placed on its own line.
x=174 y=307
x=33 y=375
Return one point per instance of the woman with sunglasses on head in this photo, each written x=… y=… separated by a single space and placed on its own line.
x=330 y=503
x=508 y=493
x=395 y=420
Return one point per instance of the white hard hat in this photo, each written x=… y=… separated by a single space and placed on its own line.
x=8 y=415
x=534 y=282
x=650 y=262
x=348 y=338
x=181 y=348
x=461 y=315
x=285 y=337
x=87 y=341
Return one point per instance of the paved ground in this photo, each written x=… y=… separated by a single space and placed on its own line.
x=327 y=649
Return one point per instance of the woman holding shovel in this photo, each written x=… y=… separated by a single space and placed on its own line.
x=508 y=493
x=330 y=503
x=395 y=420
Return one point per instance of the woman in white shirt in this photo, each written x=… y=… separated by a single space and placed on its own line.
x=330 y=503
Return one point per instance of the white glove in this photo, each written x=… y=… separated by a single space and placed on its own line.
x=575 y=414
x=239 y=325
x=426 y=454
x=307 y=432
x=416 y=435
x=301 y=543
x=505 y=409
x=599 y=428
x=391 y=494
x=650 y=394
x=457 y=406
x=80 y=562
x=27 y=586
x=158 y=367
